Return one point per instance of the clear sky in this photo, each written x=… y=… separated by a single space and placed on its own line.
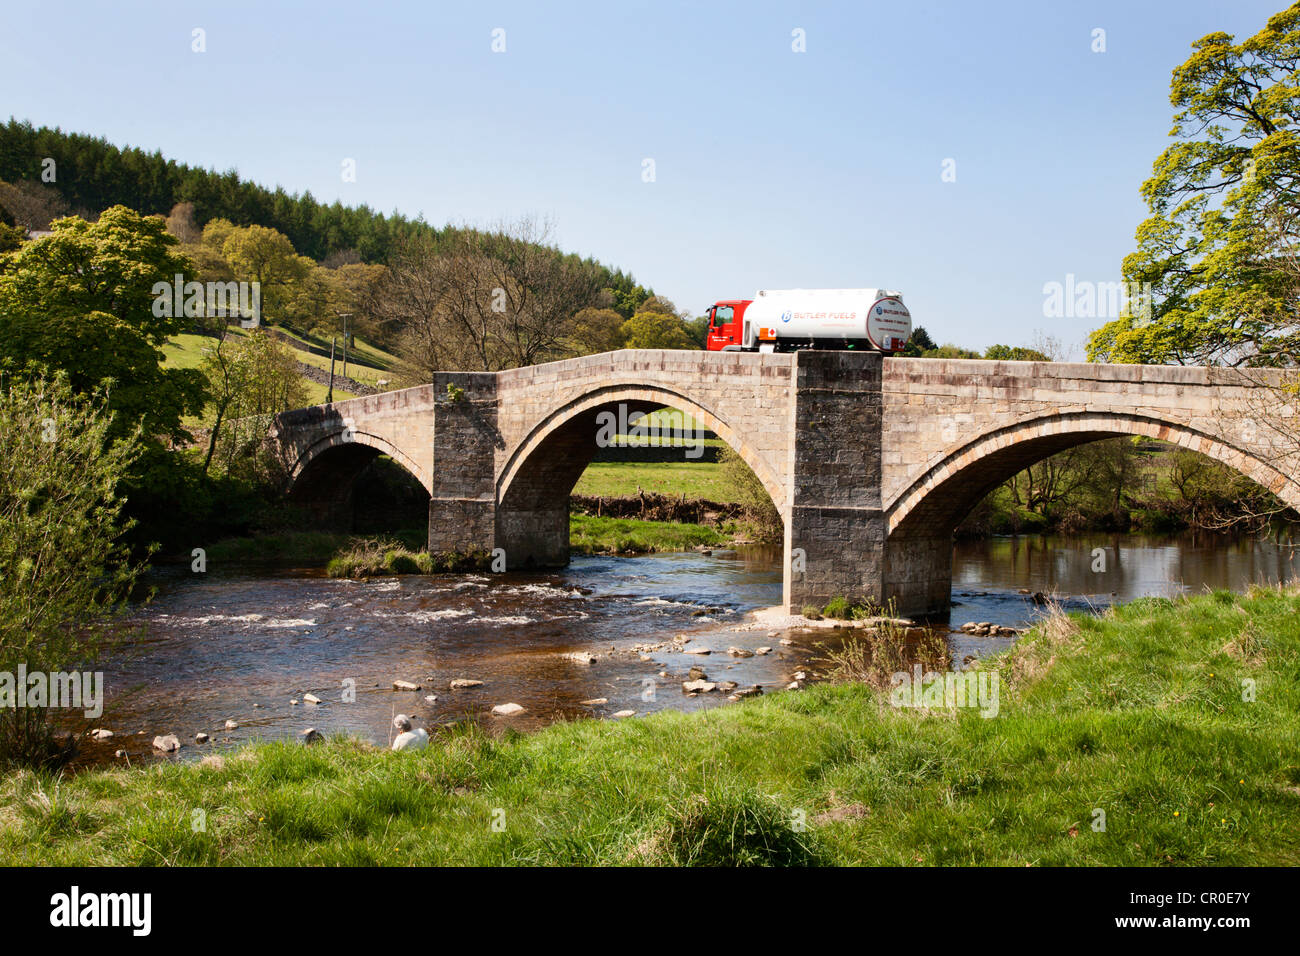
x=772 y=168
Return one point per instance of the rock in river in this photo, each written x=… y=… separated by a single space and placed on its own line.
x=461 y=682
x=507 y=710
x=405 y=685
x=167 y=744
x=698 y=686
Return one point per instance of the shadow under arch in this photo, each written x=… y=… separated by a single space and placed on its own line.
x=327 y=476
x=921 y=520
x=532 y=515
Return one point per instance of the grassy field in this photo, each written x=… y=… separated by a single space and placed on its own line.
x=611 y=479
x=1138 y=714
x=589 y=534
x=187 y=351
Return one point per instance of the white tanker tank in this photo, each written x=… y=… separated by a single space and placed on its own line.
x=788 y=319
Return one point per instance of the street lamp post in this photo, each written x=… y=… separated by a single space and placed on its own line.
x=345 y=316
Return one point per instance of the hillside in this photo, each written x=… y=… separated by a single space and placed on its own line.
x=93 y=174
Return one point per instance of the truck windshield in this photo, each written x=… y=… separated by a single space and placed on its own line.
x=723 y=315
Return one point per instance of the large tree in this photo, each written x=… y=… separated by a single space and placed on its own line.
x=1209 y=275
x=486 y=301
x=81 y=301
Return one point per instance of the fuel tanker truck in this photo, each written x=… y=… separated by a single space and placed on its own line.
x=784 y=320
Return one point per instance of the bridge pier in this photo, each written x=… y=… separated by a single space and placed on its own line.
x=918 y=574
x=835 y=528
x=462 y=501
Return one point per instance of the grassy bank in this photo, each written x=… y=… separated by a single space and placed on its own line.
x=350 y=555
x=612 y=479
x=1138 y=714
x=589 y=534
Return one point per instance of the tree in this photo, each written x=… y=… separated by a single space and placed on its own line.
x=1007 y=353
x=950 y=351
x=32 y=205
x=1211 y=259
x=750 y=493
x=181 y=224
x=657 y=330
x=64 y=572
x=11 y=237
x=919 y=343
x=250 y=380
x=485 y=301
x=82 y=301
x=266 y=256
x=597 y=330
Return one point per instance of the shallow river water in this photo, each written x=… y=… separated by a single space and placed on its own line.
x=243 y=645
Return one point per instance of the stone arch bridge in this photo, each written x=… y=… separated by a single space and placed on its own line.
x=871 y=461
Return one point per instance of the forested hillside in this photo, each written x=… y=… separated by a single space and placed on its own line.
x=91 y=174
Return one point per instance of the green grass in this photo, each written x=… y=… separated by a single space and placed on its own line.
x=612 y=479
x=360 y=373
x=589 y=534
x=188 y=351
x=1138 y=713
x=361 y=351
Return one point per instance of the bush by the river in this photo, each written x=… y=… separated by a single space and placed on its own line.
x=65 y=572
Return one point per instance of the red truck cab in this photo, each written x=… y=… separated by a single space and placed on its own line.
x=726 y=324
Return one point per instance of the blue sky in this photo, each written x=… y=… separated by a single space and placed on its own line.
x=773 y=169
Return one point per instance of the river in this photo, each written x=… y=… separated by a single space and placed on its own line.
x=244 y=645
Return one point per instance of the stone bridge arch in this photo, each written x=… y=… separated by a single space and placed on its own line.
x=325 y=448
x=522 y=438
x=957 y=481
x=1011 y=434
x=539 y=472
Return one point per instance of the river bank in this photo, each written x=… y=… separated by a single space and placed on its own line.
x=1124 y=739
x=402 y=552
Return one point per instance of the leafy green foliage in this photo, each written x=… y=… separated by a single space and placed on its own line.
x=1018 y=353
x=64 y=571
x=656 y=330
x=81 y=301
x=748 y=490
x=250 y=379
x=1218 y=251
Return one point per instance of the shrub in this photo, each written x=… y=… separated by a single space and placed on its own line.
x=65 y=573
x=729 y=828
